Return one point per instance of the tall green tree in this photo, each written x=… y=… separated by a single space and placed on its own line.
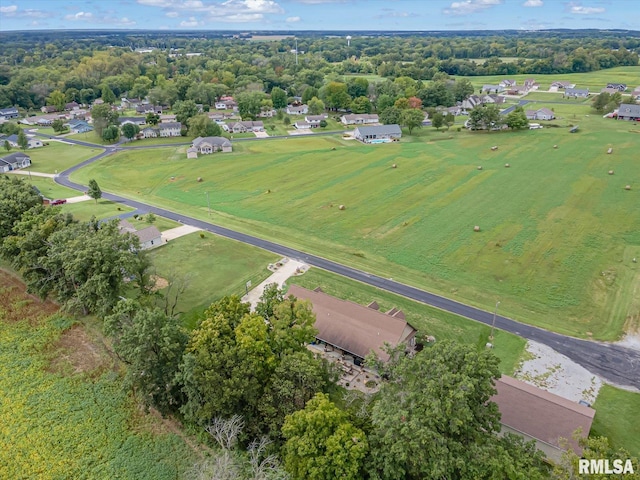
x=184 y=110
x=23 y=141
x=437 y=121
x=279 y=98
x=321 y=443
x=107 y=95
x=103 y=116
x=335 y=95
x=94 y=190
x=361 y=105
x=202 y=126
x=151 y=344
x=462 y=89
x=57 y=99
x=517 y=119
x=7 y=145
x=390 y=116
x=412 y=118
x=249 y=104
x=58 y=125
x=130 y=130
x=111 y=133
x=152 y=118
x=16 y=197
x=316 y=106
x=434 y=418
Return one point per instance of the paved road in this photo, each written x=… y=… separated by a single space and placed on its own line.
x=616 y=364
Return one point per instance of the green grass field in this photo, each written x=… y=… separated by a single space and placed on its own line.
x=428 y=320
x=557 y=232
x=594 y=81
x=617 y=414
x=83 y=211
x=57 y=156
x=214 y=266
x=49 y=188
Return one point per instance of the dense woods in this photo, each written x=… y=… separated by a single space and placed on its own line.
x=37 y=69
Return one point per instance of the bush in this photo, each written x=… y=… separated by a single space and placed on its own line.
x=201 y=234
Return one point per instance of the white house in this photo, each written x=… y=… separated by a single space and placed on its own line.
x=359 y=119
x=297 y=109
x=378 y=133
x=540 y=114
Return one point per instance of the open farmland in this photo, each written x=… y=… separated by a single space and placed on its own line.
x=557 y=232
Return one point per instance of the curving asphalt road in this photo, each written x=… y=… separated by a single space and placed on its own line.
x=617 y=364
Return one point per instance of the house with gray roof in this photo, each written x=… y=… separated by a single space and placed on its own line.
x=378 y=133
x=359 y=119
x=540 y=114
x=628 y=111
x=14 y=161
x=149 y=237
x=9 y=113
x=79 y=126
x=133 y=120
x=576 y=92
x=297 y=109
x=208 y=145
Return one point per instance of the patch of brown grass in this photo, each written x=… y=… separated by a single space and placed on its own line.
x=16 y=304
x=76 y=353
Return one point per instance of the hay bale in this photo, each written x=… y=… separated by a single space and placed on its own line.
x=341 y=207
x=610 y=151
x=628 y=187
x=611 y=172
x=479 y=167
x=476 y=228
x=394 y=166
x=199 y=179
x=268 y=190
x=506 y=165
x=494 y=148
x=555 y=146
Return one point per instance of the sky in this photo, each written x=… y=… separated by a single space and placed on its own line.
x=346 y=15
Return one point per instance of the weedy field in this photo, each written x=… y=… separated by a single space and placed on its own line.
x=63 y=411
x=557 y=231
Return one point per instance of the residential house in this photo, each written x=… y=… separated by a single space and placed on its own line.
x=72 y=106
x=44 y=121
x=378 y=133
x=12 y=139
x=355 y=330
x=561 y=84
x=576 y=92
x=98 y=101
x=150 y=132
x=220 y=116
x=14 y=161
x=79 y=126
x=244 y=126
x=359 y=119
x=543 y=417
x=170 y=129
x=507 y=83
x=226 y=103
x=621 y=87
x=540 y=114
x=629 y=112
x=314 y=120
x=635 y=95
x=133 y=120
x=49 y=109
x=610 y=90
x=207 y=145
x=166 y=118
x=474 y=101
x=34 y=143
x=129 y=102
x=268 y=113
x=79 y=113
x=530 y=84
x=297 y=109
x=148 y=108
x=302 y=125
x=492 y=88
x=9 y=113
x=517 y=90
x=149 y=237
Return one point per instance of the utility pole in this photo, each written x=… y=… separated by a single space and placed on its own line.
x=493 y=324
x=296 y=51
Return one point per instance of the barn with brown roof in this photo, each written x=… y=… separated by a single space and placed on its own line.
x=536 y=414
x=355 y=329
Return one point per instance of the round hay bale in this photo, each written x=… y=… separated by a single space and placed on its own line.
x=611 y=172
x=476 y=228
x=494 y=148
x=610 y=151
x=479 y=167
x=628 y=187
x=341 y=207
x=555 y=146
x=269 y=190
x=506 y=165
x=199 y=179
x=394 y=166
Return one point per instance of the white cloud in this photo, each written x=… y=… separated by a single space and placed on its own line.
x=236 y=11
x=9 y=9
x=292 y=19
x=172 y=14
x=533 y=3
x=578 y=9
x=466 y=7
x=80 y=16
x=192 y=22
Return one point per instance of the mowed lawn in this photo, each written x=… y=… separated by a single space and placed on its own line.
x=58 y=156
x=557 y=232
x=617 y=414
x=49 y=188
x=83 y=211
x=212 y=266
